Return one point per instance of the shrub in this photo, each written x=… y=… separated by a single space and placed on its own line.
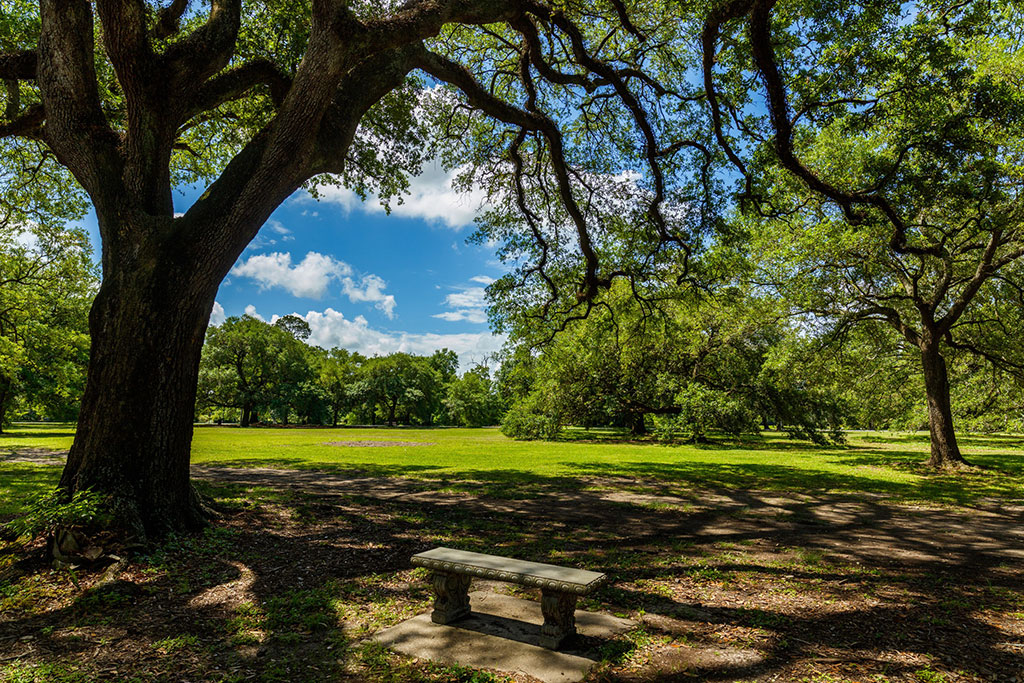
x=50 y=511
x=524 y=421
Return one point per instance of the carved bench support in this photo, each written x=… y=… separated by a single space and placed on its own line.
x=559 y=610
x=451 y=597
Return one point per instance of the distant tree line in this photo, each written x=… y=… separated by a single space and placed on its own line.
x=257 y=372
x=47 y=283
x=735 y=359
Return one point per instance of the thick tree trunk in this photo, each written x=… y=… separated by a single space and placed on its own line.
x=135 y=427
x=637 y=425
x=5 y=395
x=246 y=416
x=945 y=450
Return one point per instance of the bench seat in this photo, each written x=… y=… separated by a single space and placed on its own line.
x=453 y=570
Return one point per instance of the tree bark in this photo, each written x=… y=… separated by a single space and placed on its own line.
x=134 y=435
x=945 y=452
x=5 y=395
x=637 y=425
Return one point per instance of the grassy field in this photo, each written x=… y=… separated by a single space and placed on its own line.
x=484 y=461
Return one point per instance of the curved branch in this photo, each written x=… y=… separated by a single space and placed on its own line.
x=529 y=32
x=76 y=128
x=19 y=66
x=451 y=72
x=420 y=19
x=709 y=40
x=167 y=22
x=28 y=125
x=209 y=48
x=640 y=118
x=235 y=82
x=763 y=52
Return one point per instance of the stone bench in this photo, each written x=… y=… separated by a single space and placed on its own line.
x=560 y=586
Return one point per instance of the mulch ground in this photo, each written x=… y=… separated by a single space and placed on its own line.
x=728 y=585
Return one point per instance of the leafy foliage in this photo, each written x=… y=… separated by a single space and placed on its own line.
x=47 y=281
x=46 y=513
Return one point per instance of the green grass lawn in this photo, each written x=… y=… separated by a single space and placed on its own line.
x=483 y=461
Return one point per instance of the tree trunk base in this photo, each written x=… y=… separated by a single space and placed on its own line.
x=953 y=466
x=135 y=526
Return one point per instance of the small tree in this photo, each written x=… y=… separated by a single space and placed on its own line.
x=471 y=400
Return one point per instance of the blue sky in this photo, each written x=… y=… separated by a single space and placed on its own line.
x=364 y=280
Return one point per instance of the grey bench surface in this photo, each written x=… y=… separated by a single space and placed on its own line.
x=552 y=577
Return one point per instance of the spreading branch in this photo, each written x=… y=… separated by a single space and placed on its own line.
x=19 y=66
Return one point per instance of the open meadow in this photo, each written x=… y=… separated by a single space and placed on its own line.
x=755 y=560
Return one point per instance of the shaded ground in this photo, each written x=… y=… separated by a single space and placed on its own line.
x=731 y=585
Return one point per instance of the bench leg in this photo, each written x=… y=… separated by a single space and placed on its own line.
x=451 y=597
x=559 y=611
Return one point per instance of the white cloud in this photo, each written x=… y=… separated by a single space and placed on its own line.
x=330 y=328
x=471 y=297
x=27 y=239
x=372 y=291
x=217 y=314
x=250 y=311
x=312 y=276
x=309 y=278
x=471 y=315
x=431 y=197
x=469 y=305
x=278 y=227
x=482 y=279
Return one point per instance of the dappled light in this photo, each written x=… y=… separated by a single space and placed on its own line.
x=734 y=571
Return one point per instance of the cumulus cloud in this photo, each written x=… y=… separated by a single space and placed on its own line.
x=370 y=289
x=470 y=297
x=330 y=328
x=469 y=304
x=430 y=197
x=309 y=278
x=217 y=314
x=250 y=311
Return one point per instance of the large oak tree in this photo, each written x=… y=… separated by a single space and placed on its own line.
x=257 y=100
x=881 y=148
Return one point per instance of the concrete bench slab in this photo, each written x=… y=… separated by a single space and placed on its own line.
x=453 y=571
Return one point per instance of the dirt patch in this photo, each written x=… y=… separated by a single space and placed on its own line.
x=377 y=444
x=35 y=456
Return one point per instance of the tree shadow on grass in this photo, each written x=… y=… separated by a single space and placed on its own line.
x=288 y=585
